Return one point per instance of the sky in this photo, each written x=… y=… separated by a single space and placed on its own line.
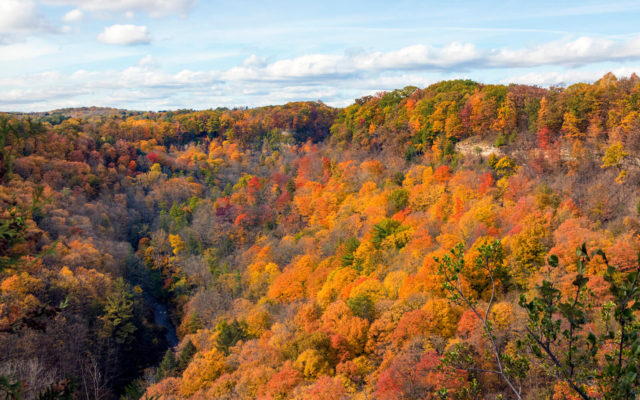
x=200 y=54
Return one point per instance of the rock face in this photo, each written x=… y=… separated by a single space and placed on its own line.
x=476 y=146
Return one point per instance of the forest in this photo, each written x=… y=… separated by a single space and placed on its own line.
x=461 y=241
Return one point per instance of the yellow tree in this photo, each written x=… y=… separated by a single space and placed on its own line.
x=570 y=126
x=614 y=157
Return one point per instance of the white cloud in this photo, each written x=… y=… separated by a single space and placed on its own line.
x=452 y=57
x=147 y=62
x=74 y=15
x=563 y=78
x=153 y=8
x=27 y=51
x=578 y=52
x=125 y=35
x=334 y=78
x=19 y=17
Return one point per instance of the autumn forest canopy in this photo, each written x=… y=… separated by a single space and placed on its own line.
x=461 y=241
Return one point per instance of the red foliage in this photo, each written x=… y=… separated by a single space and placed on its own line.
x=153 y=157
x=283 y=382
x=442 y=174
x=413 y=375
x=544 y=138
x=486 y=182
x=326 y=388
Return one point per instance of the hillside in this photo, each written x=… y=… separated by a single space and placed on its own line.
x=387 y=250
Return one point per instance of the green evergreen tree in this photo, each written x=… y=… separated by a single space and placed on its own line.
x=187 y=353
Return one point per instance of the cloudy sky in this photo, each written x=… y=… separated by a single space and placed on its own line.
x=169 y=54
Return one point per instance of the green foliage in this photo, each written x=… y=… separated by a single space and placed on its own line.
x=11 y=390
x=362 y=306
x=511 y=368
x=228 y=189
x=506 y=166
x=194 y=323
x=317 y=340
x=63 y=390
x=410 y=153
x=168 y=366
x=350 y=246
x=230 y=333
x=11 y=233
x=13 y=229
x=186 y=355
x=398 y=199
x=388 y=227
x=133 y=391
x=398 y=178
x=573 y=351
x=117 y=318
x=546 y=197
x=291 y=186
x=500 y=141
x=13 y=132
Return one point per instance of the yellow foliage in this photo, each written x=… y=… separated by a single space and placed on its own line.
x=622 y=176
x=374 y=167
x=367 y=255
x=443 y=315
x=258 y=321
x=528 y=248
x=259 y=277
x=65 y=272
x=367 y=188
x=506 y=166
x=334 y=284
x=203 y=370
x=423 y=196
x=372 y=288
x=614 y=155
x=177 y=244
x=427 y=175
x=501 y=315
x=570 y=126
x=21 y=284
x=392 y=283
x=312 y=364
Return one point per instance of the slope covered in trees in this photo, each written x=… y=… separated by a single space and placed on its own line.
x=394 y=249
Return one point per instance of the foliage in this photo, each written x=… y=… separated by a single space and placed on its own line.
x=294 y=247
x=574 y=351
x=511 y=369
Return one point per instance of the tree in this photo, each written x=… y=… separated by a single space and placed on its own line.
x=511 y=369
x=205 y=367
x=558 y=335
x=570 y=126
x=14 y=230
x=230 y=333
x=13 y=133
x=186 y=354
x=117 y=320
x=614 y=157
x=177 y=244
x=167 y=366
